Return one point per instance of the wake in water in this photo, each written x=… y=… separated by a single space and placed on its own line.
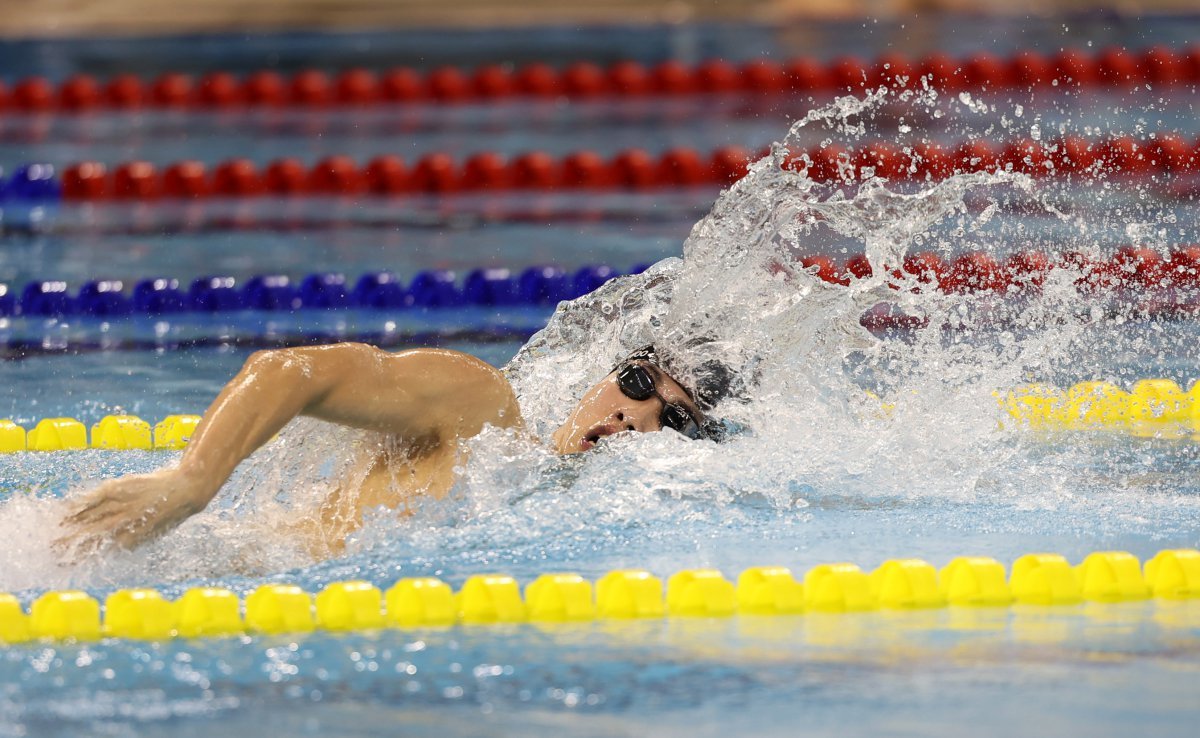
x=809 y=378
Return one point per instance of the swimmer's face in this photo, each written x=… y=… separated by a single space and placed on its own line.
x=605 y=409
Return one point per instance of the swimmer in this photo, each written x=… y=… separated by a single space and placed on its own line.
x=427 y=400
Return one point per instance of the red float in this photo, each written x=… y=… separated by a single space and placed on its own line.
x=1160 y=65
x=85 y=181
x=673 y=78
x=940 y=72
x=185 y=179
x=267 y=89
x=1026 y=157
x=357 y=87
x=401 y=85
x=493 y=81
x=337 y=175
x=1122 y=156
x=387 y=175
x=719 y=76
x=1030 y=69
x=858 y=266
x=448 y=84
x=682 y=168
x=826 y=269
x=975 y=156
x=286 y=177
x=79 y=93
x=586 y=169
x=125 y=91
x=172 y=91
x=832 y=164
x=584 y=79
x=885 y=158
x=762 y=76
x=629 y=78
x=987 y=70
x=1073 y=155
x=729 y=164
x=33 y=94
x=806 y=75
x=237 y=178
x=486 y=171
x=535 y=170
x=1072 y=68
x=1117 y=67
x=926 y=267
x=136 y=180
x=436 y=173
x=893 y=70
x=311 y=88
x=848 y=72
x=539 y=80
x=634 y=169
x=1168 y=152
x=931 y=161
x=219 y=90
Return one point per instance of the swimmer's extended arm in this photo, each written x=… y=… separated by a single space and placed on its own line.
x=427 y=397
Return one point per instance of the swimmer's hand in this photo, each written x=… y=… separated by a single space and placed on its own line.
x=128 y=511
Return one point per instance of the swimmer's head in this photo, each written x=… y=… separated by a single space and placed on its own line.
x=638 y=395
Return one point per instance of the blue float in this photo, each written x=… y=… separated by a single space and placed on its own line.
x=270 y=292
x=49 y=299
x=215 y=294
x=435 y=288
x=490 y=287
x=103 y=298
x=544 y=285
x=380 y=291
x=325 y=291
x=32 y=182
x=158 y=296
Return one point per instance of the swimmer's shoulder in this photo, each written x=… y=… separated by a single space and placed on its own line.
x=474 y=390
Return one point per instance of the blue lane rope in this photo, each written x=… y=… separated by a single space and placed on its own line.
x=106 y=298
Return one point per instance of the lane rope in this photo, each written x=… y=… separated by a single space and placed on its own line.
x=1113 y=68
x=438 y=173
x=1152 y=408
x=1129 y=268
x=1043 y=580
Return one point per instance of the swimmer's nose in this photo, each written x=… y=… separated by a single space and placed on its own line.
x=642 y=418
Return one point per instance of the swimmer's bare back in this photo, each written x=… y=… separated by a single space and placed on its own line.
x=428 y=399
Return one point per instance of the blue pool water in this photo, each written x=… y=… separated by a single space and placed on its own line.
x=815 y=479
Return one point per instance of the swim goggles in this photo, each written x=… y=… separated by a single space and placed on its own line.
x=637 y=383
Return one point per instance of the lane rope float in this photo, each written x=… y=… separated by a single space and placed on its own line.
x=1129 y=268
x=1038 y=579
x=495 y=83
x=115 y=432
x=1151 y=408
x=1156 y=154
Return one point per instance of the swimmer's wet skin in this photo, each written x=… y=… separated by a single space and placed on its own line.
x=427 y=399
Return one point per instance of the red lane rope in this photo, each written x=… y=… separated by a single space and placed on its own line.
x=1129 y=268
x=635 y=169
x=311 y=88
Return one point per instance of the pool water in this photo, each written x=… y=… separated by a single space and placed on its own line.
x=815 y=478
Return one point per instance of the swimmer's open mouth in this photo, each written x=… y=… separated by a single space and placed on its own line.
x=593 y=436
